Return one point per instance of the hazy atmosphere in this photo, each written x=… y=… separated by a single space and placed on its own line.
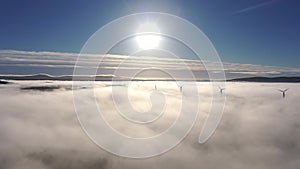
x=133 y=84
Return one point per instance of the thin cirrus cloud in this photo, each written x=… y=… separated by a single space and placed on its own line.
x=59 y=63
x=257 y=6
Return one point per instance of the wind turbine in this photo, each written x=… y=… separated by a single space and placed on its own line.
x=283 y=92
x=221 y=89
x=180 y=86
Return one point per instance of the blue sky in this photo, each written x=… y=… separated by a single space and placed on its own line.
x=255 y=32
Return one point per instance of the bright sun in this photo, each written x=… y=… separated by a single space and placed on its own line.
x=148 y=41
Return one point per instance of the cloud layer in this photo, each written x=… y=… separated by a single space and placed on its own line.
x=259 y=129
x=57 y=63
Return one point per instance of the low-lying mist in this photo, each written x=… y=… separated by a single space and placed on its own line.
x=259 y=129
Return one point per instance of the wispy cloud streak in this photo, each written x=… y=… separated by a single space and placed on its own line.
x=14 y=62
x=263 y=4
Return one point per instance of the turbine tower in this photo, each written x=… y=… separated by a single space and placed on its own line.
x=180 y=87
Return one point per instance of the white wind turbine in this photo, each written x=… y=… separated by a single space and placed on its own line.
x=283 y=92
x=221 y=89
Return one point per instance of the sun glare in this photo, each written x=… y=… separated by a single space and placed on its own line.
x=148 y=36
x=148 y=41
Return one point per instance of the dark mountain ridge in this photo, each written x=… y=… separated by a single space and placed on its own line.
x=110 y=78
x=268 y=79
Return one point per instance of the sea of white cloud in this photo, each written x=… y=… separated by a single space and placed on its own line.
x=259 y=129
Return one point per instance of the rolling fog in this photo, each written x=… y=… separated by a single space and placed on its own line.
x=39 y=128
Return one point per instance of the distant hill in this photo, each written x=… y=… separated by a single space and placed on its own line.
x=79 y=78
x=49 y=77
x=268 y=79
x=109 y=78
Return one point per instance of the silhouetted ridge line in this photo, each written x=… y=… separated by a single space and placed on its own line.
x=114 y=78
x=268 y=79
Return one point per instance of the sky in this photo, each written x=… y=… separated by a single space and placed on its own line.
x=262 y=32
